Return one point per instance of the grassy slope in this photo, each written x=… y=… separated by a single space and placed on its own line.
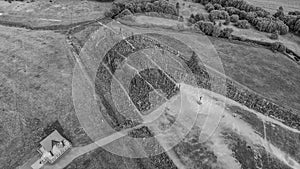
x=35 y=91
x=270 y=74
x=272 y=5
x=44 y=13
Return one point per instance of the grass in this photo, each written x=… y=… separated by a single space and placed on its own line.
x=271 y=74
x=44 y=13
x=35 y=91
x=273 y=5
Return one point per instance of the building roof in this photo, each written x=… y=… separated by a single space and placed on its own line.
x=52 y=139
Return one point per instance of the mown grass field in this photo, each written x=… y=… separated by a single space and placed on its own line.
x=273 y=5
x=35 y=91
x=45 y=13
x=270 y=74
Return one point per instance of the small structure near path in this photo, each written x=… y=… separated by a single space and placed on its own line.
x=52 y=147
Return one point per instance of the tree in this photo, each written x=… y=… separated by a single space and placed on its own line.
x=243 y=14
x=205 y=27
x=275 y=35
x=251 y=16
x=226 y=33
x=177 y=7
x=232 y=10
x=234 y=18
x=294 y=13
x=217 y=14
x=243 y=24
x=227 y=21
x=216 y=31
x=217 y=6
x=279 y=13
x=278 y=46
x=149 y=7
x=209 y=7
x=200 y=17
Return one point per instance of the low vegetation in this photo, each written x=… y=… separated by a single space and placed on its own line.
x=141 y=6
x=249 y=14
x=243 y=24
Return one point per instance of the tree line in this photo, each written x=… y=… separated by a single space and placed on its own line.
x=140 y=6
x=236 y=10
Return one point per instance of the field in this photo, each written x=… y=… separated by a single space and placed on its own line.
x=290 y=40
x=110 y=88
x=273 y=5
x=44 y=13
x=36 y=74
x=271 y=74
x=204 y=154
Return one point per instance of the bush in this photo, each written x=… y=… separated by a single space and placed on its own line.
x=243 y=24
x=227 y=21
x=243 y=15
x=293 y=22
x=278 y=46
x=274 y=35
x=216 y=31
x=232 y=11
x=201 y=17
x=124 y=13
x=136 y=6
x=209 y=7
x=270 y=25
x=217 y=14
x=226 y=33
x=208 y=28
x=217 y=6
x=234 y=18
x=251 y=16
x=294 y=13
x=205 y=27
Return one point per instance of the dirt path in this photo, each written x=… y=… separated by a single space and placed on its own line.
x=211 y=101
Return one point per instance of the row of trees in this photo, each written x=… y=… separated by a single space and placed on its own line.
x=239 y=4
x=213 y=30
x=243 y=24
x=240 y=10
x=270 y=25
x=292 y=20
x=140 y=6
x=218 y=14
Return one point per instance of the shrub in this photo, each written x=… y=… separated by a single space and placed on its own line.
x=124 y=13
x=251 y=16
x=232 y=10
x=136 y=6
x=270 y=25
x=293 y=22
x=216 y=31
x=181 y=19
x=209 y=7
x=108 y=14
x=205 y=27
x=226 y=33
x=274 y=35
x=234 y=18
x=243 y=24
x=227 y=21
x=200 y=17
x=217 y=6
x=294 y=13
x=243 y=15
x=217 y=14
x=278 y=46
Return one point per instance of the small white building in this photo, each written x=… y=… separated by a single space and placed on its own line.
x=52 y=147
